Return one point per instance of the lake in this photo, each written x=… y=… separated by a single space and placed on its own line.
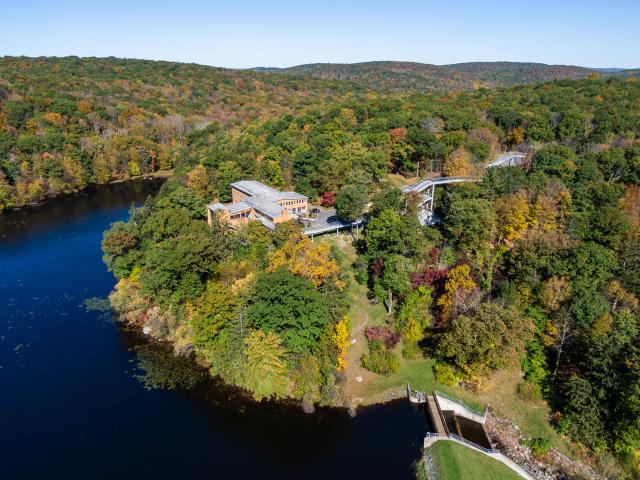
x=71 y=406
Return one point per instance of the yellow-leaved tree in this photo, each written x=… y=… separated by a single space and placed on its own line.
x=458 y=290
x=201 y=182
x=555 y=291
x=512 y=213
x=550 y=210
x=307 y=259
x=340 y=338
x=53 y=117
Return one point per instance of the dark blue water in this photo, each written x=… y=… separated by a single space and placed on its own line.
x=71 y=407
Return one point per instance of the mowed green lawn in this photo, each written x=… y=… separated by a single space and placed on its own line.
x=457 y=462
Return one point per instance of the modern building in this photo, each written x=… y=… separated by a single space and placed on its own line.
x=252 y=200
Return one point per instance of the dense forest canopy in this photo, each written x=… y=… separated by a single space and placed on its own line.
x=69 y=122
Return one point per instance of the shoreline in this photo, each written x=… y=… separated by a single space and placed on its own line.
x=166 y=174
x=379 y=399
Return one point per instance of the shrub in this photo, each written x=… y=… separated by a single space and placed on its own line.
x=539 y=446
x=447 y=256
x=432 y=277
x=529 y=392
x=379 y=359
x=386 y=334
x=445 y=374
x=362 y=276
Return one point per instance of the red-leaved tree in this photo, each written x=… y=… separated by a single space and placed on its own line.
x=328 y=199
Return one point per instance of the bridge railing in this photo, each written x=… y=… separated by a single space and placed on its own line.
x=461 y=403
x=458 y=438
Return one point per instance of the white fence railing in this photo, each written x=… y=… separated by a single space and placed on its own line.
x=459 y=439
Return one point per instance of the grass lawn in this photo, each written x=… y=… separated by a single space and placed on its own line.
x=400 y=180
x=457 y=462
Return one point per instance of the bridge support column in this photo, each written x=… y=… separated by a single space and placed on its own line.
x=433 y=196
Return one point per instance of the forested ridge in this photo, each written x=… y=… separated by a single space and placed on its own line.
x=531 y=268
x=392 y=76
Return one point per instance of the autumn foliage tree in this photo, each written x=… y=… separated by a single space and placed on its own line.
x=512 y=214
x=458 y=293
x=307 y=259
x=265 y=369
x=200 y=181
x=458 y=164
x=340 y=338
x=328 y=198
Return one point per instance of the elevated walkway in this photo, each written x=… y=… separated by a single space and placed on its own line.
x=431 y=182
x=508 y=159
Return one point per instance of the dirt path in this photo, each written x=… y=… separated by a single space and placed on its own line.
x=356 y=349
x=362 y=314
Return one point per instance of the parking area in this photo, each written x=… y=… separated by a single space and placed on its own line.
x=326 y=221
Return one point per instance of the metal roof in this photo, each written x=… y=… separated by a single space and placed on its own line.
x=231 y=207
x=263 y=198
x=238 y=207
x=214 y=207
x=265 y=192
x=266 y=223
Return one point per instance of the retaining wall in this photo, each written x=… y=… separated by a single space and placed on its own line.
x=459 y=409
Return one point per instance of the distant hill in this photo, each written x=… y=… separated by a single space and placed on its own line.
x=610 y=70
x=631 y=72
x=422 y=77
x=511 y=73
x=388 y=76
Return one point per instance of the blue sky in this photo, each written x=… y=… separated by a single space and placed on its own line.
x=283 y=33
